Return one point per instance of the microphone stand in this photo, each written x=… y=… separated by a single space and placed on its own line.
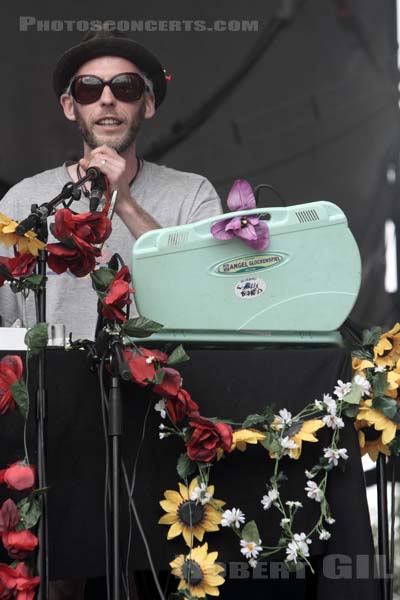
x=120 y=370
x=37 y=222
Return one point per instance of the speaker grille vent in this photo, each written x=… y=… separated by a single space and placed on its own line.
x=307 y=216
x=177 y=239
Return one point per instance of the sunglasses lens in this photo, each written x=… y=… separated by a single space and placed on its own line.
x=86 y=89
x=127 y=87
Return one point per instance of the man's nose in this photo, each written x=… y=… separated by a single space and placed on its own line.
x=107 y=97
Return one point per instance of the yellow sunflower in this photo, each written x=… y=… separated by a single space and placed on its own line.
x=303 y=434
x=359 y=365
x=393 y=378
x=189 y=517
x=28 y=243
x=240 y=438
x=198 y=572
x=372 y=447
x=370 y=416
x=387 y=350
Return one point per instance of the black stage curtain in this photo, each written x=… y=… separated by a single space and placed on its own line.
x=227 y=383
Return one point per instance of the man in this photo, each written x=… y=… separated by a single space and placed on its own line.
x=108 y=85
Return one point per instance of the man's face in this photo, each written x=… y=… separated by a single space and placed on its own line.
x=108 y=120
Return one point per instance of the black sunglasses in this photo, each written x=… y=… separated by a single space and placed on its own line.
x=126 y=87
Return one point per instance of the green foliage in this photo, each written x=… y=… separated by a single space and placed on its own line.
x=36 y=338
x=21 y=397
x=250 y=532
x=185 y=466
x=140 y=327
x=178 y=355
x=29 y=512
x=370 y=337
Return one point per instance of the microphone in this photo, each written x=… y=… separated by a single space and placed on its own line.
x=97 y=189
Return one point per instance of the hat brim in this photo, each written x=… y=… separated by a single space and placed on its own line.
x=72 y=59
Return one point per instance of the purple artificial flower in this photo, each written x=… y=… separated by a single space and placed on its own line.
x=253 y=232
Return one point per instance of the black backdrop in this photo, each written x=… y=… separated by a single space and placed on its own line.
x=316 y=116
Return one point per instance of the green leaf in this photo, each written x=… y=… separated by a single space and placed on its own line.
x=362 y=354
x=158 y=377
x=379 y=383
x=178 y=355
x=36 y=338
x=271 y=443
x=355 y=394
x=250 y=532
x=20 y=394
x=29 y=512
x=385 y=405
x=102 y=278
x=253 y=420
x=35 y=282
x=185 y=466
x=269 y=415
x=370 y=337
x=140 y=327
x=350 y=410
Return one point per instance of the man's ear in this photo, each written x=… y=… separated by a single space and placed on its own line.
x=67 y=104
x=150 y=106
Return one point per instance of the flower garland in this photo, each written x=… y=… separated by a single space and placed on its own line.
x=192 y=511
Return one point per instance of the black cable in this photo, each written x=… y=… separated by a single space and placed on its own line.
x=183 y=129
x=107 y=492
x=131 y=488
x=143 y=535
x=392 y=526
x=268 y=187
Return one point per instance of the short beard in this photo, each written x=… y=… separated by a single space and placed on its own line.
x=119 y=145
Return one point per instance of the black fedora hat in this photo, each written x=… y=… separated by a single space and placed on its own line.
x=104 y=43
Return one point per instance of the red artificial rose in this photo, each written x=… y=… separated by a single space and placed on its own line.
x=19 y=543
x=19 y=476
x=206 y=438
x=10 y=372
x=9 y=516
x=80 y=260
x=170 y=384
x=18 y=581
x=118 y=296
x=21 y=265
x=181 y=406
x=143 y=364
x=93 y=228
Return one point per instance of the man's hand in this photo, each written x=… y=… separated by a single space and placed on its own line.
x=119 y=173
x=114 y=167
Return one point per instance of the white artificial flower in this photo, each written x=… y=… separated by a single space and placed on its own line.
x=291 y=552
x=330 y=404
x=161 y=426
x=333 y=421
x=302 y=542
x=161 y=408
x=284 y=522
x=201 y=495
x=284 y=418
x=363 y=383
x=288 y=446
x=250 y=549
x=342 y=389
x=269 y=499
x=333 y=456
x=299 y=545
x=253 y=563
x=330 y=520
x=232 y=517
x=161 y=435
x=324 y=535
x=313 y=491
x=318 y=404
x=294 y=503
x=379 y=369
x=309 y=475
x=150 y=359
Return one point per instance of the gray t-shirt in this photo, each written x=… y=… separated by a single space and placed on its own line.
x=171 y=197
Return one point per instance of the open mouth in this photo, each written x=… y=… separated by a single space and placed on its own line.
x=109 y=122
